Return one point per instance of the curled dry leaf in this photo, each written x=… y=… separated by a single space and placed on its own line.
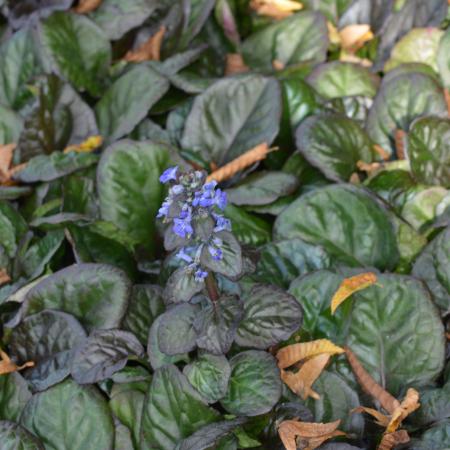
x=235 y=64
x=87 y=146
x=408 y=405
x=4 y=277
x=381 y=152
x=400 y=138
x=352 y=58
x=8 y=366
x=351 y=285
x=289 y=355
x=310 y=435
x=149 y=50
x=353 y=37
x=301 y=381
x=369 y=168
x=276 y=9
x=86 y=6
x=250 y=157
x=390 y=440
x=380 y=418
x=6 y=155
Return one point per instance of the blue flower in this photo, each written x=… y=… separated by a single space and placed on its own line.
x=164 y=210
x=182 y=227
x=221 y=199
x=222 y=223
x=215 y=252
x=200 y=274
x=210 y=186
x=184 y=256
x=177 y=189
x=169 y=174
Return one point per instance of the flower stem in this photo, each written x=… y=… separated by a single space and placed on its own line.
x=211 y=287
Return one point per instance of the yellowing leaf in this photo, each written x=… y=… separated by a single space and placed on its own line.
x=333 y=34
x=390 y=440
x=311 y=434
x=86 y=6
x=89 y=145
x=276 y=9
x=149 y=50
x=408 y=405
x=8 y=366
x=301 y=381
x=353 y=37
x=350 y=286
x=289 y=355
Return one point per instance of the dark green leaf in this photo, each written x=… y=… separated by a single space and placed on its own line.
x=270 y=316
x=255 y=385
x=14 y=437
x=58 y=415
x=435 y=438
x=359 y=233
x=222 y=130
x=172 y=400
x=14 y=395
x=182 y=286
x=209 y=374
x=11 y=125
x=434 y=406
x=48 y=339
x=12 y=228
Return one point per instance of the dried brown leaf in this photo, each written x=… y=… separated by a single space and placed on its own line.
x=381 y=152
x=370 y=386
x=6 y=156
x=87 y=6
x=311 y=435
x=278 y=65
x=8 y=366
x=380 y=418
x=351 y=285
x=399 y=137
x=149 y=50
x=408 y=405
x=87 y=146
x=352 y=58
x=301 y=381
x=235 y=64
x=367 y=167
x=256 y=154
x=289 y=355
x=4 y=277
x=390 y=440
x=276 y=9
x=353 y=37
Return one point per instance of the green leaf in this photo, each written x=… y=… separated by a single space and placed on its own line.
x=209 y=374
x=262 y=188
x=337 y=398
x=400 y=100
x=58 y=415
x=56 y=165
x=434 y=406
x=176 y=333
x=255 y=384
x=79 y=50
x=182 y=286
x=338 y=79
x=281 y=262
x=418 y=45
x=117 y=17
x=11 y=125
x=58 y=117
x=172 y=400
x=96 y=294
x=334 y=144
x=12 y=228
x=128 y=101
x=230 y=264
x=48 y=339
x=129 y=190
x=429 y=150
x=270 y=316
x=146 y=304
x=396 y=333
x=102 y=354
x=14 y=437
x=433 y=267
x=361 y=234
x=20 y=63
x=300 y=37
x=435 y=438
x=14 y=395
x=443 y=59
x=233 y=116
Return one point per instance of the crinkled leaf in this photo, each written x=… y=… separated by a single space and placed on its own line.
x=14 y=395
x=182 y=286
x=15 y=437
x=12 y=228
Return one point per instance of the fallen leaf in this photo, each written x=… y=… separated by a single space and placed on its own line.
x=370 y=386
x=301 y=382
x=4 y=277
x=351 y=285
x=390 y=440
x=276 y=9
x=352 y=58
x=408 y=405
x=380 y=418
x=6 y=156
x=235 y=64
x=354 y=178
x=150 y=50
x=289 y=355
x=381 y=152
x=399 y=138
x=87 y=146
x=353 y=37
x=87 y=6
x=277 y=65
x=311 y=435
x=8 y=366
x=368 y=167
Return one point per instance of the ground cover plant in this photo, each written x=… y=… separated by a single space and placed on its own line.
x=224 y=224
